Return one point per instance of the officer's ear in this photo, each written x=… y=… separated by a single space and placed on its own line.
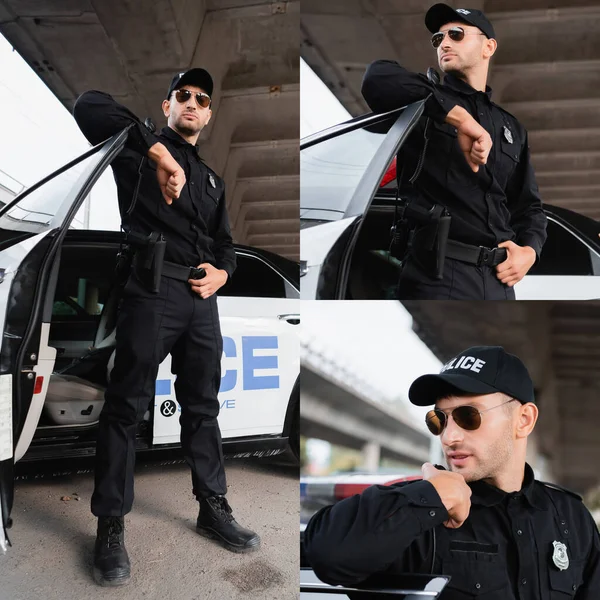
x=208 y=118
x=489 y=47
x=526 y=420
x=166 y=107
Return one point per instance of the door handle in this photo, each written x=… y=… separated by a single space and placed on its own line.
x=292 y=319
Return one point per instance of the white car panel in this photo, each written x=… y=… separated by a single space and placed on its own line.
x=259 y=367
x=558 y=287
x=44 y=369
x=315 y=244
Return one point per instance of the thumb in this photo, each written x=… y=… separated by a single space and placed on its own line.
x=474 y=166
x=428 y=470
x=167 y=198
x=508 y=244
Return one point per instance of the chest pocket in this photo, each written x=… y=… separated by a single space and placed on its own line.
x=564 y=584
x=476 y=575
x=508 y=157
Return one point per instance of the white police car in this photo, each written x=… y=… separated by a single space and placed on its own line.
x=58 y=313
x=346 y=216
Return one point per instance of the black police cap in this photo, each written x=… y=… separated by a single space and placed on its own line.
x=198 y=77
x=477 y=370
x=440 y=14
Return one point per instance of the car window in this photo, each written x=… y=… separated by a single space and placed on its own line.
x=563 y=254
x=79 y=298
x=255 y=279
x=35 y=211
x=331 y=170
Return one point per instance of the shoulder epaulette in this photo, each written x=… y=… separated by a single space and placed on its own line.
x=559 y=488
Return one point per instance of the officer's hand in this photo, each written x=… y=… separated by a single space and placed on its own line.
x=475 y=142
x=454 y=492
x=170 y=174
x=518 y=262
x=211 y=282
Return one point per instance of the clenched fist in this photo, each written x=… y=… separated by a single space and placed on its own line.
x=453 y=491
x=170 y=174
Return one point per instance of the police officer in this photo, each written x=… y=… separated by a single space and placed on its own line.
x=166 y=192
x=498 y=532
x=476 y=165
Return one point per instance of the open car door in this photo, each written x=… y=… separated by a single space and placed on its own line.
x=32 y=228
x=341 y=169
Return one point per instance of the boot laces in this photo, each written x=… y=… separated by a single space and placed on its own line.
x=114 y=530
x=221 y=507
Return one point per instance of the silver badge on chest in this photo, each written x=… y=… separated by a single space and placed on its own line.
x=508 y=134
x=211 y=180
x=559 y=556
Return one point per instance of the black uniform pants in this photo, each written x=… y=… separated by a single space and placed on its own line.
x=150 y=326
x=461 y=281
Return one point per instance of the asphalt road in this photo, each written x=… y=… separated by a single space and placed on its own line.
x=53 y=538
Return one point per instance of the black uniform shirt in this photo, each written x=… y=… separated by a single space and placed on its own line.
x=503 y=551
x=498 y=203
x=195 y=225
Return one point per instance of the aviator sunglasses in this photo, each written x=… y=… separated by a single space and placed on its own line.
x=202 y=99
x=456 y=34
x=466 y=417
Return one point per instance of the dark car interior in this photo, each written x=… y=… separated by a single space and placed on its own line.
x=374 y=272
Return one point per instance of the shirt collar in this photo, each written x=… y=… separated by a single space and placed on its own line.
x=172 y=135
x=458 y=85
x=488 y=495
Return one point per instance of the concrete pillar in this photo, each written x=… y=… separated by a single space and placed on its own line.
x=371 y=453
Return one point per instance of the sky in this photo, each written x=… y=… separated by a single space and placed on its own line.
x=38 y=135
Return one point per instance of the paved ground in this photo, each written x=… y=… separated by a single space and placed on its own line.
x=53 y=539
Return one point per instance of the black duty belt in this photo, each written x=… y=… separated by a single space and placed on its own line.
x=181 y=273
x=475 y=255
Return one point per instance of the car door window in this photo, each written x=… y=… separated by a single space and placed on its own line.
x=563 y=254
x=254 y=278
x=332 y=169
x=35 y=211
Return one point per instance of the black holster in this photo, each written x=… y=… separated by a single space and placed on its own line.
x=148 y=258
x=430 y=238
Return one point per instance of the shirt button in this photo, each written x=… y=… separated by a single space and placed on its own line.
x=563 y=522
x=432 y=513
x=516 y=156
x=574 y=587
x=566 y=532
x=478 y=586
x=519 y=532
x=523 y=581
x=481 y=114
x=423 y=501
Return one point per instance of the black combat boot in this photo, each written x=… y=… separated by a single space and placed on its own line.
x=215 y=521
x=111 y=563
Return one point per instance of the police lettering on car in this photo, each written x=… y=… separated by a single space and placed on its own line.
x=467 y=163
x=487 y=522
x=181 y=252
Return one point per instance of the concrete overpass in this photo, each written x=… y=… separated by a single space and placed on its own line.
x=560 y=344
x=546 y=72
x=131 y=49
x=335 y=407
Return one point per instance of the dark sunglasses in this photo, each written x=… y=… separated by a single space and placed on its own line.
x=466 y=417
x=456 y=34
x=202 y=99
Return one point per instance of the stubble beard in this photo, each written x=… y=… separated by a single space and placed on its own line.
x=186 y=128
x=495 y=458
